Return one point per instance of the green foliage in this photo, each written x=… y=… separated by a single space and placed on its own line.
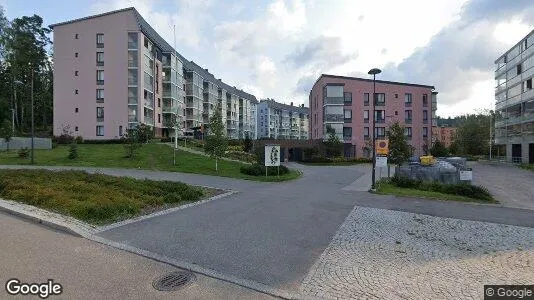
x=439 y=150
x=333 y=146
x=242 y=156
x=216 y=141
x=144 y=133
x=235 y=148
x=259 y=170
x=472 y=135
x=399 y=149
x=259 y=153
x=462 y=189
x=6 y=132
x=24 y=152
x=131 y=142
x=247 y=144
x=73 y=151
x=94 y=198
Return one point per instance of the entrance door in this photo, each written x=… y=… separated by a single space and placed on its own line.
x=516 y=153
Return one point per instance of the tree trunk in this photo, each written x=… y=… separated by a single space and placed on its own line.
x=216 y=166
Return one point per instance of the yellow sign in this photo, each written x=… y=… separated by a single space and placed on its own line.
x=382 y=147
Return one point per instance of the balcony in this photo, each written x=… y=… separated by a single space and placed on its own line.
x=512 y=63
x=500 y=88
x=500 y=71
x=513 y=81
x=334 y=101
x=132 y=118
x=335 y=118
x=149 y=104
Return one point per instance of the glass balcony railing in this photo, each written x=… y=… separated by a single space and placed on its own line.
x=334 y=118
x=334 y=100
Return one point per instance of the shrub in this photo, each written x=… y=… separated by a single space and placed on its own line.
x=242 y=156
x=247 y=144
x=235 y=148
x=73 y=151
x=338 y=159
x=259 y=170
x=461 y=189
x=63 y=139
x=24 y=152
x=78 y=140
x=100 y=142
x=405 y=182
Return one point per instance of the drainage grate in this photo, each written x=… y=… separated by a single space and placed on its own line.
x=173 y=281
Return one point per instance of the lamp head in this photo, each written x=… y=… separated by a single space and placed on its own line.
x=374 y=71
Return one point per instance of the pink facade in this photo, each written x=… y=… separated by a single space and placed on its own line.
x=395 y=108
x=75 y=75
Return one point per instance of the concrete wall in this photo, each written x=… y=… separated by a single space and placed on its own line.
x=21 y=142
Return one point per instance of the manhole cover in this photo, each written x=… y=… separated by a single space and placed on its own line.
x=173 y=281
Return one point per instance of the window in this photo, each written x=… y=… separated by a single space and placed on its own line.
x=159 y=102
x=408 y=132
x=380 y=99
x=347 y=97
x=425 y=116
x=99 y=130
x=99 y=95
x=132 y=40
x=347 y=115
x=159 y=118
x=76 y=110
x=76 y=36
x=76 y=92
x=347 y=133
x=380 y=132
x=100 y=58
x=518 y=69
x=380 y=116
x=75 y=54
x=99 y=77
x=146 y=42
x=529 y=84
x=425 y=132
x=408 y=116
x=75 y=73
x=100 y=40
x=366 y=116
x=425 y=100
x=120 y=130
x=99 y=114
x=366 y=99
x=407 y=99
x=366 y=132
x=396 y=96
x=396 y=113
x=76 y=128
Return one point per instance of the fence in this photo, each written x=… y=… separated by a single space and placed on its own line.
x=23 y=142
x=446 y=170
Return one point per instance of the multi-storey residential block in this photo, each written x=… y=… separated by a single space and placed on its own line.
x=281 y=121
x=444 y=131
x=113 y=71
x=345 y=105
x=514 y=95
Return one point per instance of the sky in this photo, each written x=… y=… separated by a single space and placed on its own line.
x=277 y=49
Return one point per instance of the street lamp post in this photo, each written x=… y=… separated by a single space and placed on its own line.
x=373 y=72
x=33 y=127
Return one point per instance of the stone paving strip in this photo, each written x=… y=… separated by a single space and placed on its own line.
x=385 y=254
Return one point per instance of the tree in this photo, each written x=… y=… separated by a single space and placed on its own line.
x=334 y=147
x=144 y=133
x=6 y=132
x=399 y=149
x=247 y=144
x=216 y=141
x=439 y=149
x=472 y=135
x=131 y=142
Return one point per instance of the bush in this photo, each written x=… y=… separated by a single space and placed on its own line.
x=247 y=144
x=405 y=182
x=242 y=156
x=259 y=170
x=63 y=139
x=78 y=140
x=338 y=159
x=235 y=148
x=461 y=189
x=73 y=151
x=99 y=142
x=24 y=152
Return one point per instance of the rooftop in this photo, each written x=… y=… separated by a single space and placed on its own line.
x=278 y=105
x=379 y=81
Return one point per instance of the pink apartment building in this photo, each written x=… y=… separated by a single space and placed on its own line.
x=345 y=104
x=113 y=71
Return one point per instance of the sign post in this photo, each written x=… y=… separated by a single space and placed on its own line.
x=272 y=157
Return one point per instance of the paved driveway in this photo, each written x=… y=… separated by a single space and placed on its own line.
x=512 y=186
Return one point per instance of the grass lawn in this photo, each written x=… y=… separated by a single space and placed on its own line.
x=149 y=156
x=527 y=166
x=385 y=188
x=95 y=198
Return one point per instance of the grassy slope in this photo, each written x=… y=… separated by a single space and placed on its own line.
x=150 y=156
x=389 y=189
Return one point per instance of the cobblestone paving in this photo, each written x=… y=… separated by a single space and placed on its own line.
x=384 y=254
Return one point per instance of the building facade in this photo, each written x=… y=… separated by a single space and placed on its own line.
x=281 y=121
x=444 y=131
x=514 y=101
x=345 y=105
x=113 y=71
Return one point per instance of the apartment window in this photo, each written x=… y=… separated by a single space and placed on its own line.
x=425 y=116
x=99 y=114
x=76 y=36
x=347 y=132
x=347 y=115
x=146 y=42
x=396 y=113
x=366 y=132
x=159 y=118
x=380 y=132
x=100 y=58
x=425 y=100
x=347 y=96
x=76 y=110
x=157 y=79
x=100 y=40
x=159 y=102
x=408 y=132
x=407 y=99
x=529 y=84
x=366 y=116
x=75 y=73
x=132 y=40
x=408 y=116
x=366 y=99
x=425 y=132
x=99 y=77
x=99 y=95
x=518 y=69
x=120 y=130
x=380 y=116
x=76 y=92
x=396 y=96
x=380 y=99
x=75 y=54
x=76 y=128
x=99 y=130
